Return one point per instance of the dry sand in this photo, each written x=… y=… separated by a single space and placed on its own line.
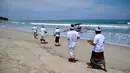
x=20 y=53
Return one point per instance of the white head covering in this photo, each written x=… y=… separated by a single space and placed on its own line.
x=57 y=27
x=72 y=28
x=98 y=29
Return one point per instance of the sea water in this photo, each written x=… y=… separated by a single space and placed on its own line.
x=115 y=31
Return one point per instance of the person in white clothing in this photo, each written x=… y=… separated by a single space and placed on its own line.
x=97 y=56
x=57 y=36
x=43 y=32
x=35 y=31
x=72 y=36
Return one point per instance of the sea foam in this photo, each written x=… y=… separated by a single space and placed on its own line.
x=87 y=25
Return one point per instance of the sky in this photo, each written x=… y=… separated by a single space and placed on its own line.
x=64 y=9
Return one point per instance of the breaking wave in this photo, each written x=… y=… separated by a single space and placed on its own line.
x=88 y=25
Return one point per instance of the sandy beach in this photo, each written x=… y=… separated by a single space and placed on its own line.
x=21 y=53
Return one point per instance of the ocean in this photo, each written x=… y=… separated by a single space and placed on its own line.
x=115 y=31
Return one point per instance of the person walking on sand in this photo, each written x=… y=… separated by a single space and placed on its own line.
x=43 y=32
x=97 y=56
x=72 y=36
x=35 y=31
x=57 y=36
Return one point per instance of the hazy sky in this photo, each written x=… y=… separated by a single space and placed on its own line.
x=65 y=9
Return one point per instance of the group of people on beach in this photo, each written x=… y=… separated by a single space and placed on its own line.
x=97 y=56
x=43 y=32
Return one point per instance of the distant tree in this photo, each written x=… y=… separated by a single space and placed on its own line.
x=4 y=18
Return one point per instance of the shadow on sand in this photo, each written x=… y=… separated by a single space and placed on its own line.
x=94 y=66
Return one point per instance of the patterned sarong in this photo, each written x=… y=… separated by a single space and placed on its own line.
x=97 y=58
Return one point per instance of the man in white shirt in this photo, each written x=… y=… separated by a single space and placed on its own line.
x=43 y=33
x=97 y=56
x=35 y=31
x=72 y=36
x=57 y=36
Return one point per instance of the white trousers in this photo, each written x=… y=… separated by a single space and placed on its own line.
x=72 y=46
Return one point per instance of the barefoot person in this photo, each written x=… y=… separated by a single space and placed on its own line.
x=43 y=32
x=72 y=36
x=57 y=36
x=97 y=56
x=35 y=31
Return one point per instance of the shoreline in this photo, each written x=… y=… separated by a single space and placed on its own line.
x=109 y=43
